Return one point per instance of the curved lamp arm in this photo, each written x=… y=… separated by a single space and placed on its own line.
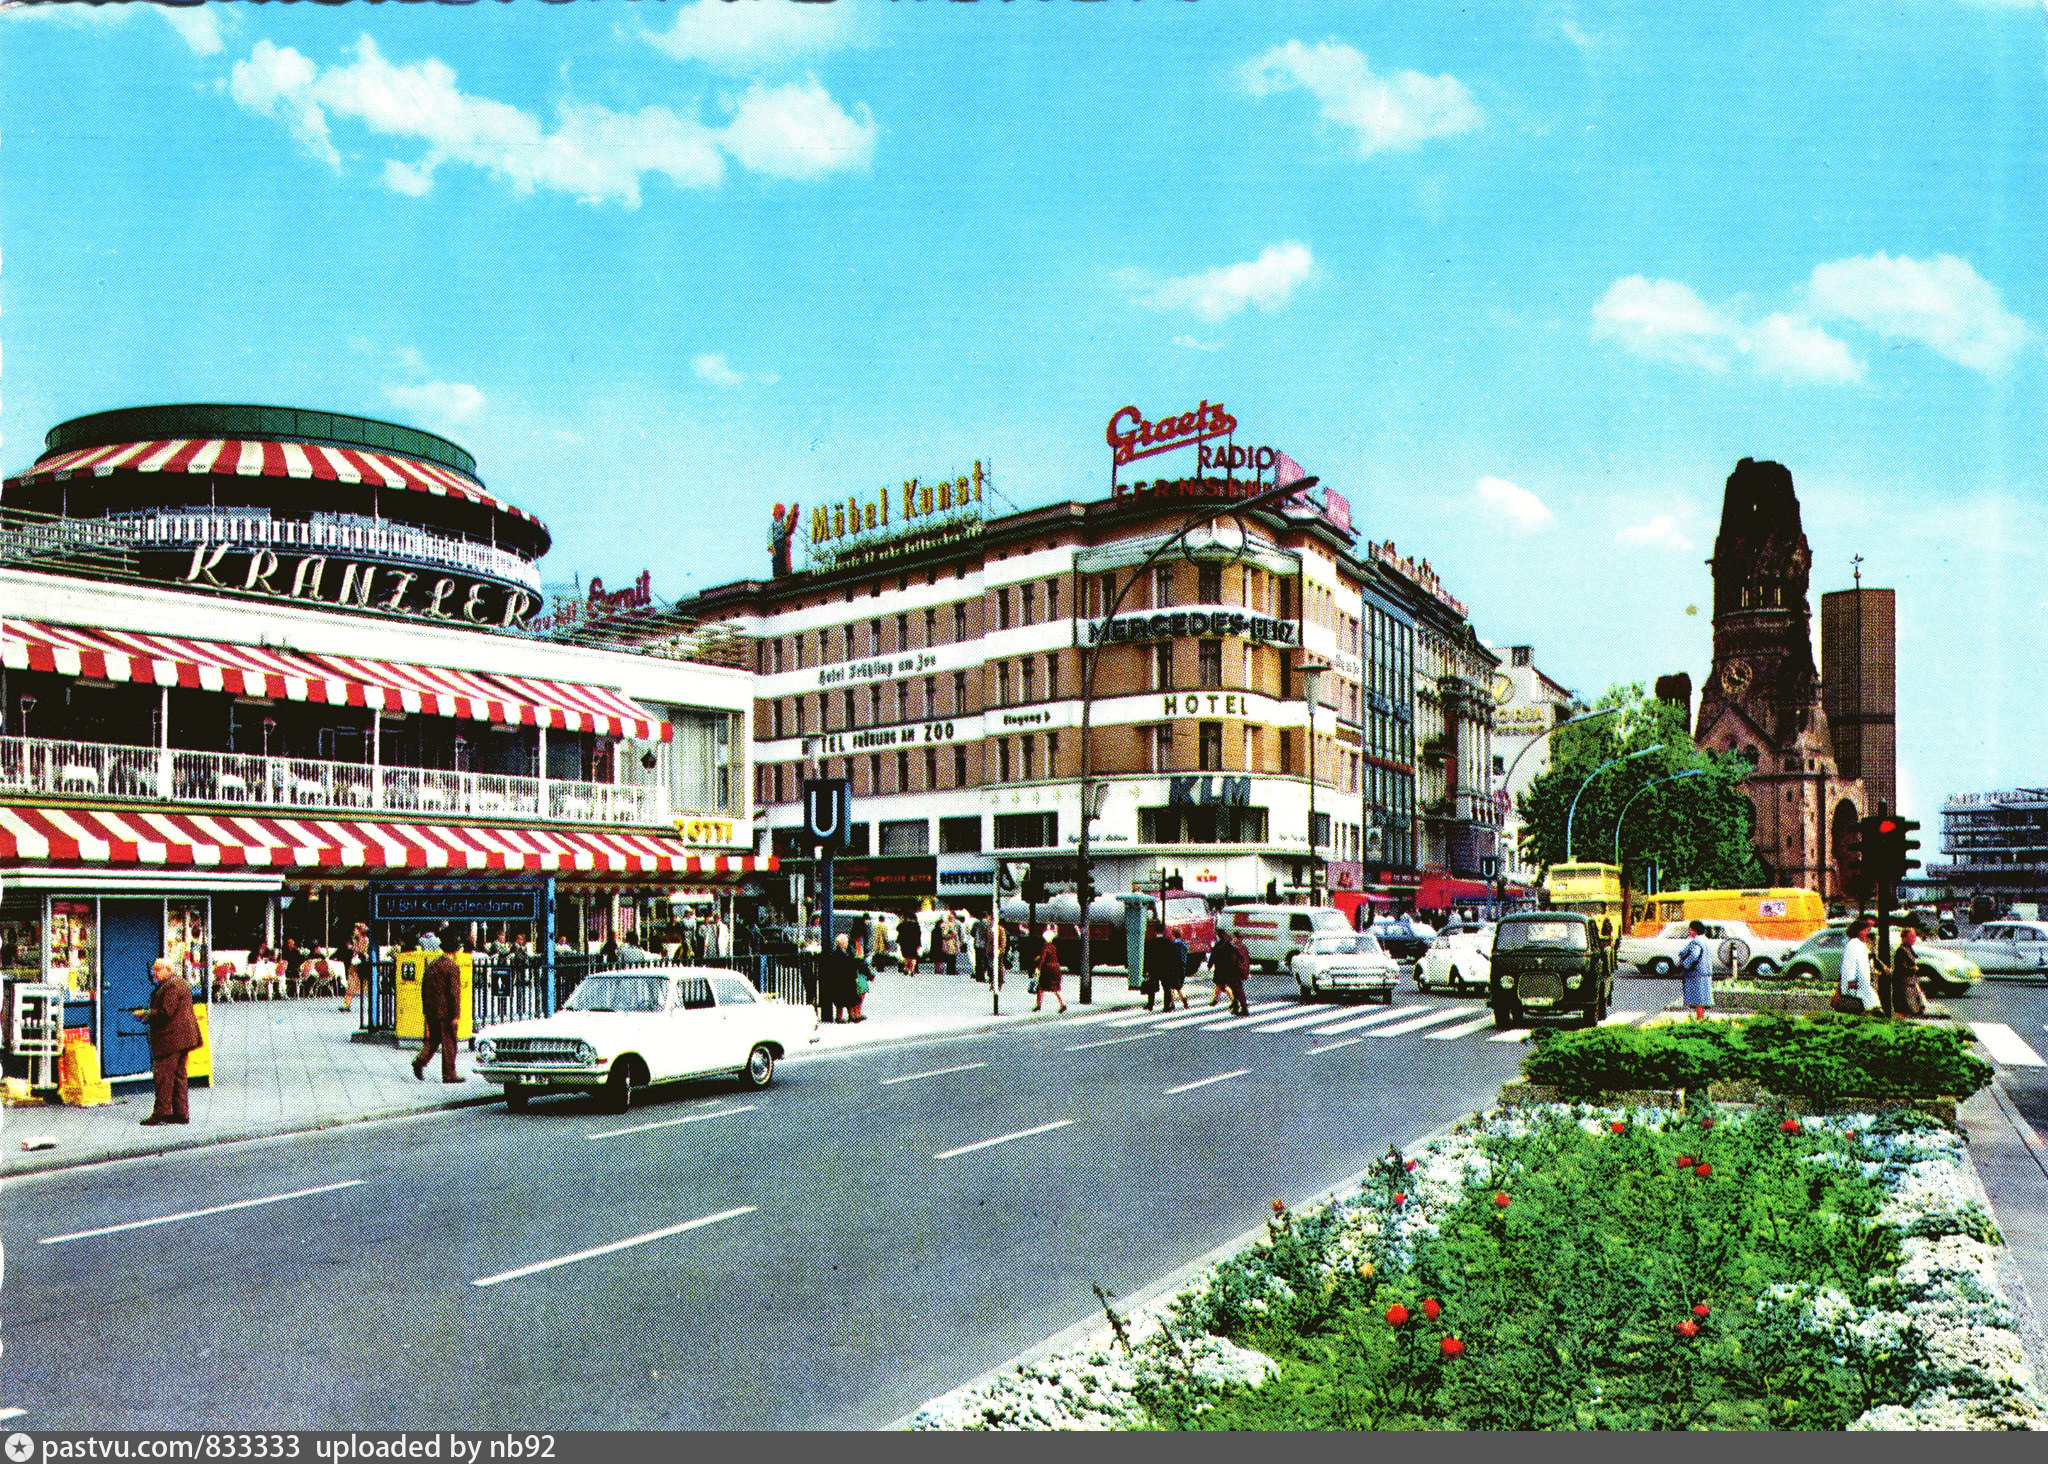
x=1574 y=813
x=1654 y=782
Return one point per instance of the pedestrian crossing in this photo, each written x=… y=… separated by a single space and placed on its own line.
x=2007 y=1047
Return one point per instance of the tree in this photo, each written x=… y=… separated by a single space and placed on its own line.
x=1697 y=829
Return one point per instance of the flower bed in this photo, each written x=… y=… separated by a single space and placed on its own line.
x=1567 y=1267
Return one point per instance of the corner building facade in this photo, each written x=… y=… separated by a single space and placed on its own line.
x=942 y=673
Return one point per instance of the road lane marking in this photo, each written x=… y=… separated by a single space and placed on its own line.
x=640 y=1128
x=1513 y=1034
x=1205 y=1082
x=1252 y=1017
x=196 y=1214
x=1110 y=1041
x=1619 y=1019
x=617 y=1245
x=1044 y=1128
x=1202 y=1016
x=965 y=1067
x=2006 y=1045
x=1416 y=1024
x=1297 y=1019
x=1464 y=1030
x=1100 y=1014
x=1352 y=1024
x=1333 y=1046
x=7 y=1413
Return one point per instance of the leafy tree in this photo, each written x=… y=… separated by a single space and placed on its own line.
x=1698 y=829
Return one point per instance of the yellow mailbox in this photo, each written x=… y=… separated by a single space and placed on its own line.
x=411 y=1016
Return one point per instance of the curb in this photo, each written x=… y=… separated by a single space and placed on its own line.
x=1071 y=1338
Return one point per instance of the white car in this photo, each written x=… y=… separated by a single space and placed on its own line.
x=1337 y=964
x=2007 y=945
x=1458 y=960
x=1273 y=933
x=622 y=1030
x=1736 y=948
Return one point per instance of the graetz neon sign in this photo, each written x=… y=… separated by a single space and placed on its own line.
x=1132 y=437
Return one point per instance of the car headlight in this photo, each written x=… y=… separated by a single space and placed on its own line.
x=1571 y=983
x=1973 y=971
x=585 y=1053
x=484 y=1049
x=1508 y=982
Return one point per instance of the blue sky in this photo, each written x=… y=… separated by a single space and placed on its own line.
x=1522 y=280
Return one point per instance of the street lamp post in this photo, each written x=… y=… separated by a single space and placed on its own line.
x=1311 y=673
x=1085 y=886
x=1573 y=813
x=1654 y=782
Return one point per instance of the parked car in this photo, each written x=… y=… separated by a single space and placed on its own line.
x=1273 y=933
x=2009 y=945
x=1736 y=948
x=1336 y=964
x=620 y=1031
x=1549 y=964
x=1406 y=937
x=1460 y=959
x=1818 y=961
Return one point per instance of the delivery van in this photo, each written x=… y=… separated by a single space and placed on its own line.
x=1273 y=933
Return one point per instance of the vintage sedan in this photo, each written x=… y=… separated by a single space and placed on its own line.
x=1406 y=937
x=1736 y=947
x=1335 y=965
x=623 y=1030
x=1458 y=960
x=1818 y=961
x=2009 y=946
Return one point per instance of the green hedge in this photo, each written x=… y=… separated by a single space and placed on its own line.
x=1825 y=1057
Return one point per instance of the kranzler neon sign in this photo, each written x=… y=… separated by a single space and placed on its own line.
x=1132 y=437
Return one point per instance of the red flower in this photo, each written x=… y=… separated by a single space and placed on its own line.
x=1700 y=1310
x=1706 y=1123
x=1400 y=1198
x=1451 y=1346
x=1789 y=1126
x=1688 y=1328
x=1686 y=1161
x=1411 y=1165
x=1396 y=1314
x=1430 y=1307
x=1617 y=1127
x=1703 y=1170
x=1279 y=1207
x=1501 y=1199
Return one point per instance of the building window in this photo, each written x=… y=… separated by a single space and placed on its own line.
x=1319 y=830
x=775 y=717
x=959 y=622
x=902 y=772
x=874 y=773
x=903 y=632
x=931 y=625
x=902 y=701
x=1002 y=759
x=1286 y=750
x=960 y=835
x=1162 y=666
x=1212 y=747
x=875 y=632
x=1211 y=652
x=1106 y=596
x=1286 y=599
x=776 y=646
x=1025 y=679
x=1162 y=747
x=1002 y=683
x=1251 y=748
x=824 y=647
x=801 y=721
x=1027 y=830
x=1027 y=603
x=1052 y=599
x=874 y=701
x=849 y=707
x=1162 y=587
x=1201 y=824
x=931 y=697
x=909 y=836
x=960 y=769
x=1030 y=749
x=1209 y=584
x=1003 y=609
x=931 y=768
x=959 y=692
x=1052 y=676
x=1052 y=754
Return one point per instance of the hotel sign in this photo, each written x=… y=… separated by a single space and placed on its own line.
x=1178 y=623
x=706 y=832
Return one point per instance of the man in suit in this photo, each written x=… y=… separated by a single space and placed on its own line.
x=440 y=1000
x=173 y=1032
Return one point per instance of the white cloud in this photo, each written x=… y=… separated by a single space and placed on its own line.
x=1797 y=350
x=1188 y=342
x=1664 y=319
x=1659 y=531
x=1521 y=507
x=451 y=401
x=712 y=367
x=738 y=37
x=1219 y=293
x=1942 y=303
x=594 y=154
x=199 y=25
x=1398 y=112
x=798 y=131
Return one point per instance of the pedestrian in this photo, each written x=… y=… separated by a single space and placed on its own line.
x=911 y=941
x=837 y=981
x=863 y=979
x=440 y=1001
x=291 y=960
x=358 y=971
x=1854 y=991
x=173 y=1033
x=982 y=937
x=1231 y=963
x=949 y=945
x=1901 y=987
x=1046 y=973
x=1173 y=976
x=1161 y=961
x=1696 y=965
x=430 y=940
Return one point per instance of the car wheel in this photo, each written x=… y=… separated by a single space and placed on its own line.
x=760 y=1069
x=1306 y=994
x=1935 y=986
x=1456 y=983
x=1660 y=966
x=516 y=1096
x=1420 y=983
x=1802 y=972
x=1763 y=968
x=1387 y=995
x=617 y=1096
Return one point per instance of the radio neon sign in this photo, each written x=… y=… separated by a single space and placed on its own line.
x=1132 y=437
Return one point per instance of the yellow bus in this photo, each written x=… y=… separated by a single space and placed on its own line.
x=1591 y=889
x=1783 y=914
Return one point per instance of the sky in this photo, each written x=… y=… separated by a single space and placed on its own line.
x=1523 y=281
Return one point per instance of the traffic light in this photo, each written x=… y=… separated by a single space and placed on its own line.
x=1034 y=887
x=1857 y=880
x=1888 y=845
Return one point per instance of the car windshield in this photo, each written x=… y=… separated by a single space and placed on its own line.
x=1345 y=945
x=618 y=994
x=1513 y=934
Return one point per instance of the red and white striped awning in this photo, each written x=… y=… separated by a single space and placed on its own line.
x=305 y=846
x=390 y=686
x=251 y=459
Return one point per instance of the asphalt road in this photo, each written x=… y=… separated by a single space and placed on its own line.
x=849 y=1263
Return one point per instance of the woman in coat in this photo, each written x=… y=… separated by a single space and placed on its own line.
x=1048 y=972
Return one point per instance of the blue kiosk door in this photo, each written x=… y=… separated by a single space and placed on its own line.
x=131 y=936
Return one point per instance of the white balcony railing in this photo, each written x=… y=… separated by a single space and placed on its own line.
x=32 y=766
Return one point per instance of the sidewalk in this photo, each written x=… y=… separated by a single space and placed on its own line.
x=292 y=1066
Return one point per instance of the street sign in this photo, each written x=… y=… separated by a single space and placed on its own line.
x=828 y=810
